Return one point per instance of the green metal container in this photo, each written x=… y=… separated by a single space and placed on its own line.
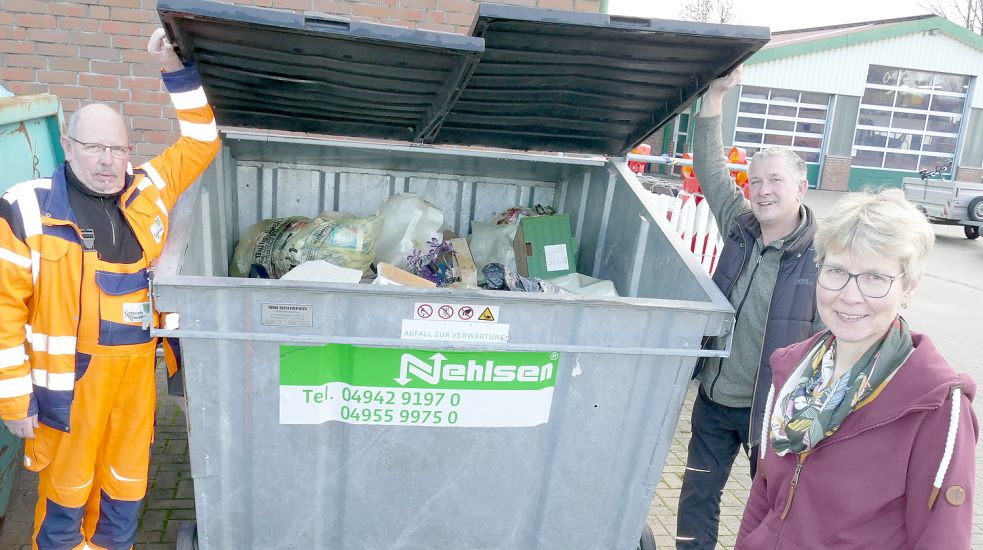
x=30 y=127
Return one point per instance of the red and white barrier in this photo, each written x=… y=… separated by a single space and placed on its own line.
x=690 y=217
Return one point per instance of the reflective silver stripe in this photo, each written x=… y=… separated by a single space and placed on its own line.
x=82 y=486
x=160 y=204
x=14 y=258
x=35 y=265
x=200 y=132
x=189 y=100
x=53 y=345
x=154 y=175
x=16 y=387
x=58 y=381
x=27 y=203
x=121 y=478
x=11 y=357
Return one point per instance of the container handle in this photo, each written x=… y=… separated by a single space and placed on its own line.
x=326 y=23
x=317 y=339
x=625 y=21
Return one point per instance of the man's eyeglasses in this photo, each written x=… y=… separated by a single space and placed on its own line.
x=871 y=285
x=96 y=149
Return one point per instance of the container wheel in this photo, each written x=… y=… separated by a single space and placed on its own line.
x=187 y=536
x=647 y=541
x=976 y=209
x=971 y=231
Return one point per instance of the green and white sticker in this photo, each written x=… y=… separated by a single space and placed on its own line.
x=409 y=387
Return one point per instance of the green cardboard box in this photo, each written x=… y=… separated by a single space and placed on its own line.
x=544 y=247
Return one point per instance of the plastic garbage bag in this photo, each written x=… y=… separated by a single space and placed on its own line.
x=255 y=254
x=516 y=213
x=585 y=286
x=499 y=277
x=492 y=243
x=409 y=222
x=271 y=248
x=343 y=240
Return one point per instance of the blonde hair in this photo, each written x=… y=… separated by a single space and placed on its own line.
x=877 y=225
x=792 y=160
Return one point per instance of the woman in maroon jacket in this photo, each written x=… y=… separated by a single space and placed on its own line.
x=869 y=434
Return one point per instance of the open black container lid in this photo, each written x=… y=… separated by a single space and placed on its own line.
x=527 y=78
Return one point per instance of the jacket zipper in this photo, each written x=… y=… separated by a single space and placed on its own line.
x=798 y=467
x=795 y=484
x=757 y=373
x=740 y=306
x=112 y=224
x=737 y=314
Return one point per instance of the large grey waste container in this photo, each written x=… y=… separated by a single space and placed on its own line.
x=554 y=425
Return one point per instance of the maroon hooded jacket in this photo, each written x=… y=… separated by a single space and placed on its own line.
x=870 y=484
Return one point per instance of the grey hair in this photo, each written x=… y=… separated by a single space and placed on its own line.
x=880 y=224
x=74 y=120
x=792 y=160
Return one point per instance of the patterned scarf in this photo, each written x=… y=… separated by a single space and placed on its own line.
x=811 y=406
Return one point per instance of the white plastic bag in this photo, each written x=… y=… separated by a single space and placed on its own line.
x=585 y=286
x=408 y=222
x=492 y=243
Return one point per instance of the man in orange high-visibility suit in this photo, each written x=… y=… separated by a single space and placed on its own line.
x=76 y=355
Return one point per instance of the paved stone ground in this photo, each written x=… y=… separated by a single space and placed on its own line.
x=170 y=496
x=662 y=514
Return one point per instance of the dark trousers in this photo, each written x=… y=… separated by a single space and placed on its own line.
x=718 y=433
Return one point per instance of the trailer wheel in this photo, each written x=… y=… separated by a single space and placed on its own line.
x=976 y=209
x=971 y=231
x=647 y=541
x=187 y=536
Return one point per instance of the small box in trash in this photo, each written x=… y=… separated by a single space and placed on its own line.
x=544 y=247
x=367 y=416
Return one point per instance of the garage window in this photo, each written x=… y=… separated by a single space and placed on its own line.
x=776 y=116
x=909 y=120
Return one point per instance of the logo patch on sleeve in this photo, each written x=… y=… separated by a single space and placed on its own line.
x=157 y=229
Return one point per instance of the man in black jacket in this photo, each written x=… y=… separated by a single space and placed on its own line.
x=767 y=270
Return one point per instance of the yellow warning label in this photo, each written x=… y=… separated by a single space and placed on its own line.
x=486 y=315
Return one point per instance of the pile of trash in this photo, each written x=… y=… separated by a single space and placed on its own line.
x=404 y=244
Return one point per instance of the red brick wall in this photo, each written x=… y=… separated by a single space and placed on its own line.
x=836 y=173
x=95 y=50
x=969 y=174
